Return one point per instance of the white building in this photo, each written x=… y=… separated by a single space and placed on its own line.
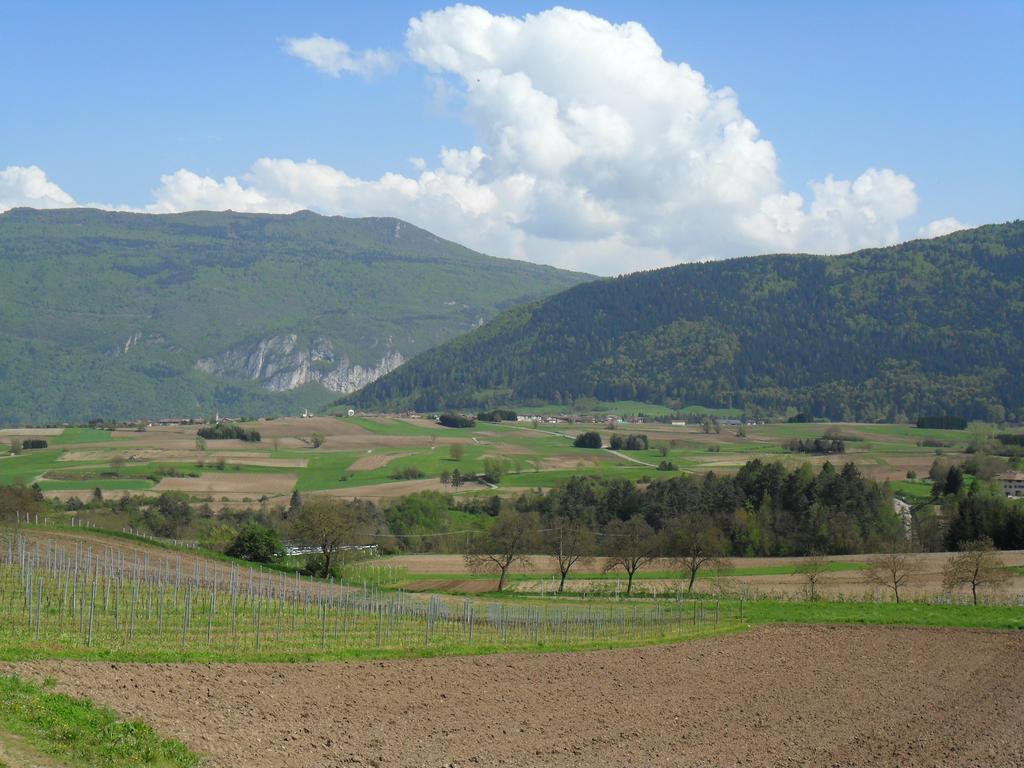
x=1013 y=484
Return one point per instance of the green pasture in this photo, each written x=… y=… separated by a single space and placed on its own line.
x=393 y=427
x=78 y=733
x=905 y=614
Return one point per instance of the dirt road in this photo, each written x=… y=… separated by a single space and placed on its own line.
x=774 y=696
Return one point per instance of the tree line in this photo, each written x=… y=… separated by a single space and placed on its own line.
x=223 y=431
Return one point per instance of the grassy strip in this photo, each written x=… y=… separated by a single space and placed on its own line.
x=81 y=734
x=906 y=614
x=33 y=652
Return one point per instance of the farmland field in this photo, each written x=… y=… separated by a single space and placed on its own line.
x=743 y=670
x=367 y=456
x=100 y=616
x=852 y=696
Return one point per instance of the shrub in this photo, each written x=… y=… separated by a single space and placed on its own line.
x=629 y=442
x=497 y=414
x=667 y=466
x=407 y=473
x=456 y=420
x=315 y=565
x=817 y=445
x=941 y=422
x=256 y=543
x=588 y=440
x=224 y=431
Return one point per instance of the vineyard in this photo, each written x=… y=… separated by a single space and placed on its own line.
x=89 y=600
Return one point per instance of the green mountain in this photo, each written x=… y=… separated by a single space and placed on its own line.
x=926 y=327
x=121 y=315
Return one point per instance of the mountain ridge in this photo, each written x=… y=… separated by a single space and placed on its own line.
x=130 y=315
x=923 y=326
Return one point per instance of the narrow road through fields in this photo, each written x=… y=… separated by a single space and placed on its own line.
x=635 y=460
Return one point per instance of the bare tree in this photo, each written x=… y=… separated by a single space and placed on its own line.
x=893 y=570
x=457 y=451
x=570 y=541
x=506 y=542
x=697 y=544
x=813 y=568
x=330 y=524
x=630 y=545
x=976 y=564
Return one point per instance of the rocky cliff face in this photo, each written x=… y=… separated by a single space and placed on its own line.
x=287 y=361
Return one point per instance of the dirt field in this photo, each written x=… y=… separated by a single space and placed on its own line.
x=31 y=431
x=219 y=482
x=374 y=461
x=453 y=585
x=774 y=696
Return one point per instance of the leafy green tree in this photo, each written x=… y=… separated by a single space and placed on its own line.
x=170 y=515
x=216 y=536
x=588 y=440
x=494 y=469
x=256 y=543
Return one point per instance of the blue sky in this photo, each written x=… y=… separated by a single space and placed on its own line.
x=107 y=98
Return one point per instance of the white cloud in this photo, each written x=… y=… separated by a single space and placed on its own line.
x=333 y=57
x=593 y=152
x=941 y=227
x=28 y=186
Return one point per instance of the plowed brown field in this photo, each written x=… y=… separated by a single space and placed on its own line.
x=774 y=696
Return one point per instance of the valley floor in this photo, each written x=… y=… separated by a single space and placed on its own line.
x=807 y=695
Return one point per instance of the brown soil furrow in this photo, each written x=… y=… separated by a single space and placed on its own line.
x=774 y=696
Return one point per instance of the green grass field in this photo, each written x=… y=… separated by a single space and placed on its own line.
x=904 y=614
x=80 y=734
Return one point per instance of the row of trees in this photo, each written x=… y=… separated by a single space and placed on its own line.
x=763 y=510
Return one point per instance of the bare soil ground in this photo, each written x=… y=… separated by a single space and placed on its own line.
x=31 y=431
x=453 y=585
x=374 y=461
x=220 y=482
x=774 y=696
x=210 y=456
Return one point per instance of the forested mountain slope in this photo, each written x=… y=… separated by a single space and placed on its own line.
x=124 y=315
x=925 y=327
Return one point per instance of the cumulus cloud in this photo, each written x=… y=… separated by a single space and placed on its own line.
x=593 y=151
x=28 y=186
x=333 y=57
x=941 y=227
